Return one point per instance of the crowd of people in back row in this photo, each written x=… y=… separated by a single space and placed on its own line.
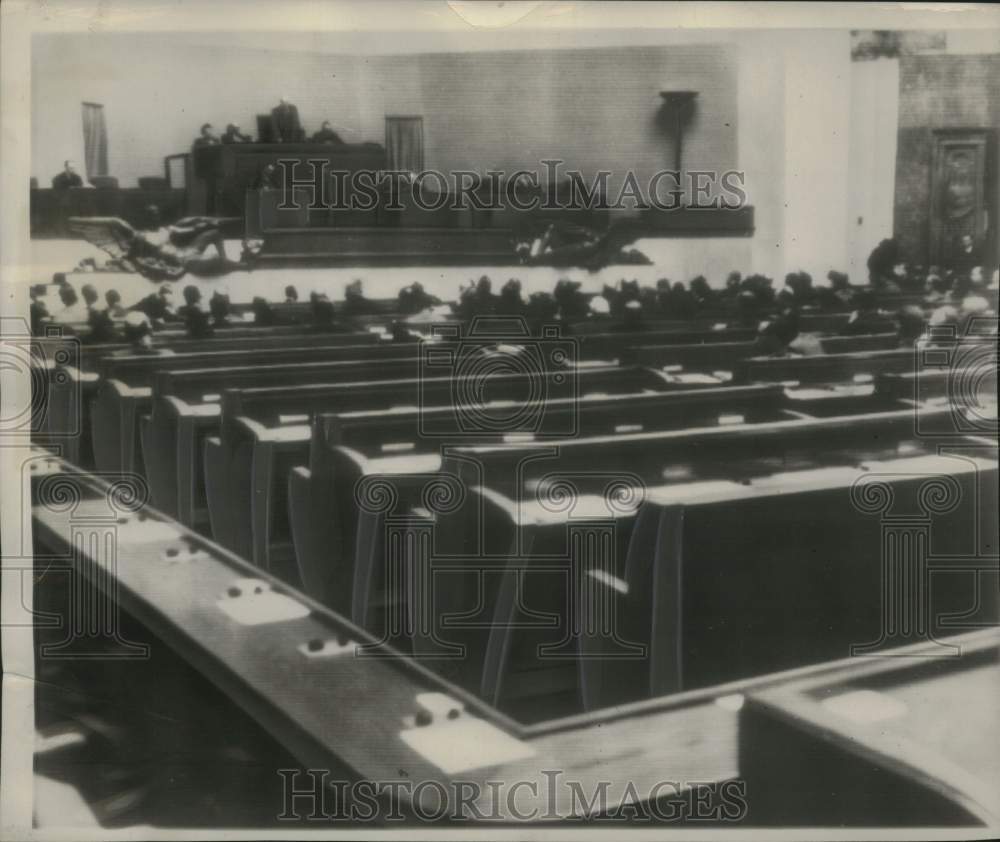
x=953 y=295
x=284 y=127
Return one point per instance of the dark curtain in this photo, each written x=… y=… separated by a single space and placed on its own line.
x=404 y=143
x=95 y=140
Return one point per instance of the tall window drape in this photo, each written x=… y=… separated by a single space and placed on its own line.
x=404 y=143
x=95 y=140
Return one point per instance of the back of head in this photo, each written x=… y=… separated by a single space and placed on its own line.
x=262 y=312
x=838 y=280
x=219 y=306
x=785 y=327
x=322 y=312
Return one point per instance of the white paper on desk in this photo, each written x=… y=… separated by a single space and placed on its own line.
x=254 y=609
x=465 y=743
x=148 y=531
x=695 y=377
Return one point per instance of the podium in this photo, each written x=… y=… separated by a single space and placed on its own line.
x=224 y=173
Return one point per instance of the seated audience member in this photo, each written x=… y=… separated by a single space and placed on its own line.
x=661 y=296
x=195 y=319
x=510 y=302
x=206 y=137
x=68 y=178
x=232 y=134
x=355 y=303
x=882 y=262
x=747 y=309
x=967 y=256
x=681 y=304
x=138 y=331
x=268 y=178
x=218 y=306
x=867 y=318
x=285 y=122
x=414 y=299
x=158 y=306
x=839 y=292
x=542 y=309
x=702 y=292
x=961 y=287
x=477 y=299
x=89 y=293
x=73 y=310
x=263 y=313
x=632 y=316
x=323 y=313
x=38 y=311
x=326 y=134
x=102 y=329
x=936 y=288
x=113 y=299
x=801 y=286
x=762 y=288
x=913 y=279
x=775 y=336
x=571 y=303
x=785 y=298
x=911 y=325
x=291 y=295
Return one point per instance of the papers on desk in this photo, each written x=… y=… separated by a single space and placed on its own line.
x=693 y=377
x=252 y=602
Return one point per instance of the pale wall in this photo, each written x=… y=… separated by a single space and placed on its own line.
x=782 y=106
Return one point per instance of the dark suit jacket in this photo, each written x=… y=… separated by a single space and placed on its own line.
x=327 y=136
x=65 y=180
x=285 y=119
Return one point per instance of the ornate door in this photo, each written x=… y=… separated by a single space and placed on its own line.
x=961 y=198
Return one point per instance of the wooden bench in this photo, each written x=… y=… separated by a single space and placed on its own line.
x=364 y=443
x=825 y=368
x=124 y=390
x=347 y=448
x=73 y=382
x=717 y=508
x=186 y=409
x=290 y=673
x=258 y=424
